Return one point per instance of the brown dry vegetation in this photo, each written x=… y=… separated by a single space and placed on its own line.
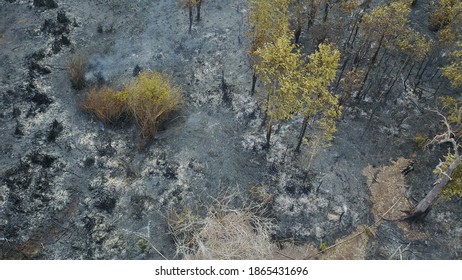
x=105 y=103
x=149 y=99
x=77 y=65
x=227 y=233
x=224 y=234
x=388 y=195
x=351 y=247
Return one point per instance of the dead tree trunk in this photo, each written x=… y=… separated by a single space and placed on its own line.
x=424 y=205
x=302 y=134
x=254 y=82
x=269 y=130
x=326 y=12
x=199 y=3
x=190 y=8
x=297 y=33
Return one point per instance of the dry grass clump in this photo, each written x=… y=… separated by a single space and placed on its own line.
x=224 y=234
x=388 y=195
x=105 y=103
x=151 y=98
x=388 y=186
x=77 y=65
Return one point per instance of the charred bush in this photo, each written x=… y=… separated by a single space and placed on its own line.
x=44 y=160
x=55 y=130
x=105 y=200
x=48 y=4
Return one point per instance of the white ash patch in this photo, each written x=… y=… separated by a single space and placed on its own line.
x=60 y=199
x=252 y=142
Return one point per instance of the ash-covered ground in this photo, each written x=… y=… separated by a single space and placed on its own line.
x=72 y=188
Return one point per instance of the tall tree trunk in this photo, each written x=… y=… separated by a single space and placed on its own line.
x=199 y=10
x=341 y=72
x=254 y=82
x=302 y=134
x=419 y=77
x=396 y=78
x=297 y=33
x=312 y=15
x=326 y=12
x=269 y=130
x=190 y=18
x=409 y=73
x=424 y=205
x=371 y=64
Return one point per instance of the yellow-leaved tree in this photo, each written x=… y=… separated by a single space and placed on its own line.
x=293 y=85
x=278 y=65
x=453 y=71
x=268 y=20
x=320 y=107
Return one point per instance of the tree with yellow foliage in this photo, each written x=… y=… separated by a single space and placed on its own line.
x=320 y=107
x=268 y=20
x=278 y=67
x=453 y=71
x=292 y=85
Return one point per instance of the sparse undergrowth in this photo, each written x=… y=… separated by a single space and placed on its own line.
x=149 y=98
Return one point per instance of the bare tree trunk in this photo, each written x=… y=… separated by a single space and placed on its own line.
x=312 y=15
x=254 y=82
x=269 y=130
x=409 y=73
x=297 y=33
x=302 y=134
x=341 y=73
x=371 y=64
x=424 y=205
x=396 y=78
x=326 y=12
x=190 y=18
x=199 y=10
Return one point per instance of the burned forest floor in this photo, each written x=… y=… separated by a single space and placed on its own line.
x=74 y=188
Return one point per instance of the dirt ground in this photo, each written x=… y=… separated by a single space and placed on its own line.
x=72 y=188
